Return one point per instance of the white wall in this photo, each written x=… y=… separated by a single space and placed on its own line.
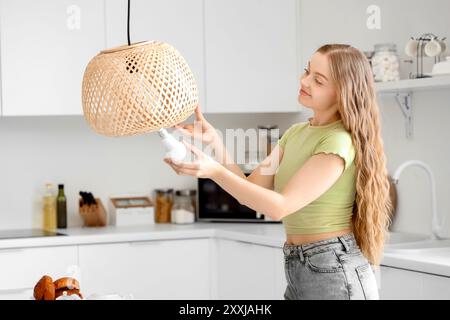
x=344 y=21
x=429 y=144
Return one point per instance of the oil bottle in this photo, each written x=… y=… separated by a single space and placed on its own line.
x=61 y=207
x=49 y=208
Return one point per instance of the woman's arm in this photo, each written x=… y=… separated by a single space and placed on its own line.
x=222 y=156
x=262 y=175
x=315 y=177
x=202 y=130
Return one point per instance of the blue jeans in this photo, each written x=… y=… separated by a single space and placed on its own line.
x=328 y=269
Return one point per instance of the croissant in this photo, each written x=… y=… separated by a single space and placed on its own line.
x=47 y=289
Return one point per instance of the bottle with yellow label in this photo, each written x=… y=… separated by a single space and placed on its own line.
x=49 y=208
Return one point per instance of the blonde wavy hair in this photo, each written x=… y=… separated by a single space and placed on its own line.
x=358 y=108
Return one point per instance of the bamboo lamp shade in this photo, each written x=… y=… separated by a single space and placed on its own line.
x=143 y=87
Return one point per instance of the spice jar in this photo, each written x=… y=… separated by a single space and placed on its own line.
x=385 y=63
x=183 y=210
x=163 y=205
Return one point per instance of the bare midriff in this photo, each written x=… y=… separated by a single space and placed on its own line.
x=297 y=239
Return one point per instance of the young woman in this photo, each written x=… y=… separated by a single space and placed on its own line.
x=330 y=189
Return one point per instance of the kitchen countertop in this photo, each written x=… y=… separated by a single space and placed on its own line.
x=268 y=234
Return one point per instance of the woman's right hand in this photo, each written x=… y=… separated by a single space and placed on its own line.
x=200 y=129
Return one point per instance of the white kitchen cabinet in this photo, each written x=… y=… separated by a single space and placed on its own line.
x=251 y=56
x=244 y=54
x=166 y=269
x=176 y=22
x=280 y=277
x=436 y=287
x=399 y=284
x=22 y=268
x=45 y=47
x=248 y=271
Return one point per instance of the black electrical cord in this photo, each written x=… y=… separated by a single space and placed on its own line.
x=128 y=23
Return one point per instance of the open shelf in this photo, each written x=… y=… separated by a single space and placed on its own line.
x=438 y=82
x=403 y=91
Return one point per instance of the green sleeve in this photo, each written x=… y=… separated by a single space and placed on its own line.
x=339 y=143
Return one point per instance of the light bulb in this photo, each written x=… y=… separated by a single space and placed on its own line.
x=174 y=148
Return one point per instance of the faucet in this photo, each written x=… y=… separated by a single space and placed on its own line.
x=435 y=225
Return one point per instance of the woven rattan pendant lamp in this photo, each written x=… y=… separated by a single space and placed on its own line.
x=139 y=88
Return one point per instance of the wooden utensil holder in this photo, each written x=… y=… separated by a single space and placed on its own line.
x=94 y=215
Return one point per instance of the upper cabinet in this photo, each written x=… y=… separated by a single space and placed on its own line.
x=176 y=22
x=45 y=47
x=251 y=56
x=244 y=54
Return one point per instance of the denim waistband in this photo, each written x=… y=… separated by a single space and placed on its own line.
x=346 y=242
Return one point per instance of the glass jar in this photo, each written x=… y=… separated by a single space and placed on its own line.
x=385 y=63
x=183 y=210
x=163 y=206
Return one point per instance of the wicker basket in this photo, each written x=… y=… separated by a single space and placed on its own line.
x=129 y=90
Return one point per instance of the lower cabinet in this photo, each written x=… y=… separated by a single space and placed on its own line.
x=22 y=268
x=157 y=269
x=208 y=268
x=399 y=284
x=436 y=287
x=247 y=271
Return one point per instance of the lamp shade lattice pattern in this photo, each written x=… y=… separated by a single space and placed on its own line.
x=130 y=90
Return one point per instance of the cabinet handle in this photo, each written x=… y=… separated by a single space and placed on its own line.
x=12 y=250
x=145 y=243
x=245 y=242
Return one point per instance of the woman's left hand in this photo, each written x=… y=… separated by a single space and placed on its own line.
x=203 y=167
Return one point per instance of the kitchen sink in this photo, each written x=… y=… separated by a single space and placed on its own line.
x=423 y=245
x=432 y=255
x=428 y=250
x=396 y=238
x=419 y=243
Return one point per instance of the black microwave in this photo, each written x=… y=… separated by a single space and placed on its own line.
x=215 y=204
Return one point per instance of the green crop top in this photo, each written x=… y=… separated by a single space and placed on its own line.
x=332 y=211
